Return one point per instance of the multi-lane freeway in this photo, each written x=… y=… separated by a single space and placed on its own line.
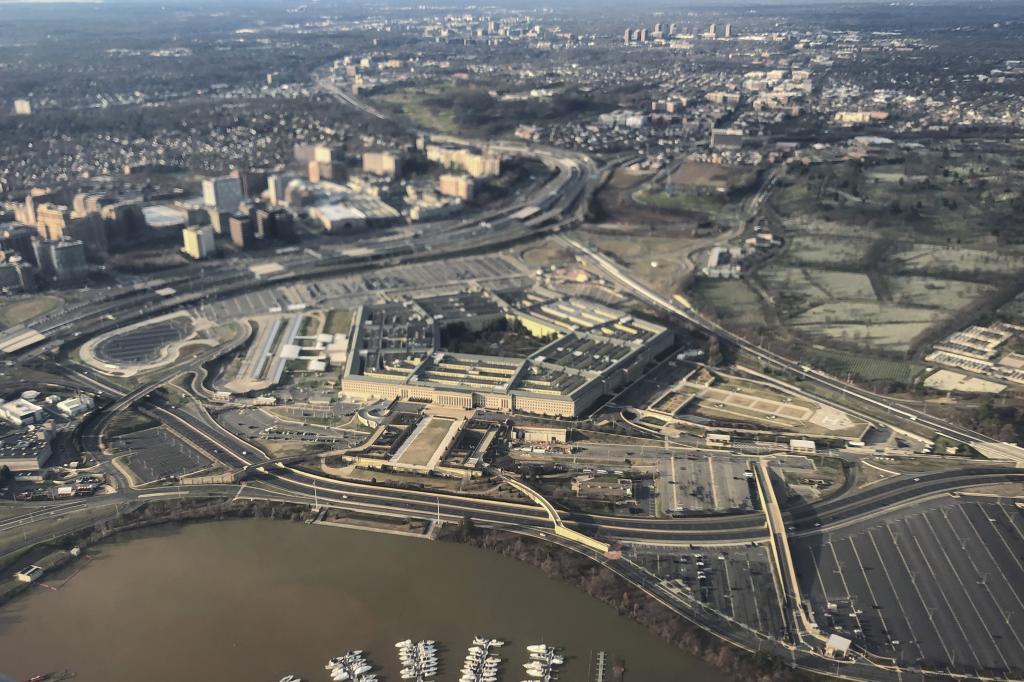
x=561 y=202
x=892 y=410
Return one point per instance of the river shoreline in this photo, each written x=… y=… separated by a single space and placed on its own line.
x=557 y=562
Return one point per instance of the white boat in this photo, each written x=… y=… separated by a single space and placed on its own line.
x=404 y=643
x=291 y=678
x=496 y=642
x=339 y=675
x=537 y=648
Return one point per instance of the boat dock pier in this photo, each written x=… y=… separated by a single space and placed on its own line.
x=601 y=668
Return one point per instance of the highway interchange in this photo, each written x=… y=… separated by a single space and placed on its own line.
x=563 y=199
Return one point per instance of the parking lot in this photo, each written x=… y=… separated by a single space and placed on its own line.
x=156 y=453
x=736 y=581
x=698 y=482
x=143 y=344
x=940 y=586
x=259 y=425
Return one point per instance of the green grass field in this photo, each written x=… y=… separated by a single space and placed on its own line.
x=338 y=322
x=735 y=304
x=865 y=367
x=682 y=201
x=415 y=105
x=25 y=309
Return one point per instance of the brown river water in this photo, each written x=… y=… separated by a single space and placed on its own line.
x=253 y=600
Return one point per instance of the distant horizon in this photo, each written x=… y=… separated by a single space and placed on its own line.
x=655 y=5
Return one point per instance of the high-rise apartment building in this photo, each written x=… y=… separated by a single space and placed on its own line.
x=198 y=241
x=225 y=192
x=62 y=260
x=243 y=233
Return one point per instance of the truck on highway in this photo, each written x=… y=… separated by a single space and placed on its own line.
x=66 y=491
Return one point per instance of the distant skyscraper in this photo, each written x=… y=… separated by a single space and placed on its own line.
x=728 y=31
x=198 y=241
x=643 y=35
x=225 y=193
x=265 y=224
x=17 y=237
x=672 y=29
x=242 y=232
x=659 y=30
x=713 y=31
x=253 y=181
x=62 y=260
x=219 y=220
x=275 y=188
x=22 y=107
x=626 y=36
x=284 y=224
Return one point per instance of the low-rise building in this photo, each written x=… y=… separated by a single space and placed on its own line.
x=29 y=574
x=72 y=407
x=338 y=217
x=802 y=446
x=589 y=350
x=718 y=440
x=541 y=434
x=27 y=450
x=21 y=412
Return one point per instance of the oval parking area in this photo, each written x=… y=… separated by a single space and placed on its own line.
x=143 y=345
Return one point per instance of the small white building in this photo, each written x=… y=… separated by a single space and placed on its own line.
x=338 y=217
x=21 y=412
x=806 y=447
x=541 y=434
x=29 y=574
x=72 y=407
x=837 y=646
x=718 y=440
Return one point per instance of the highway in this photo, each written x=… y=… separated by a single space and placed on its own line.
x=561 y=201
x=792 y=367
x=236 y=453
